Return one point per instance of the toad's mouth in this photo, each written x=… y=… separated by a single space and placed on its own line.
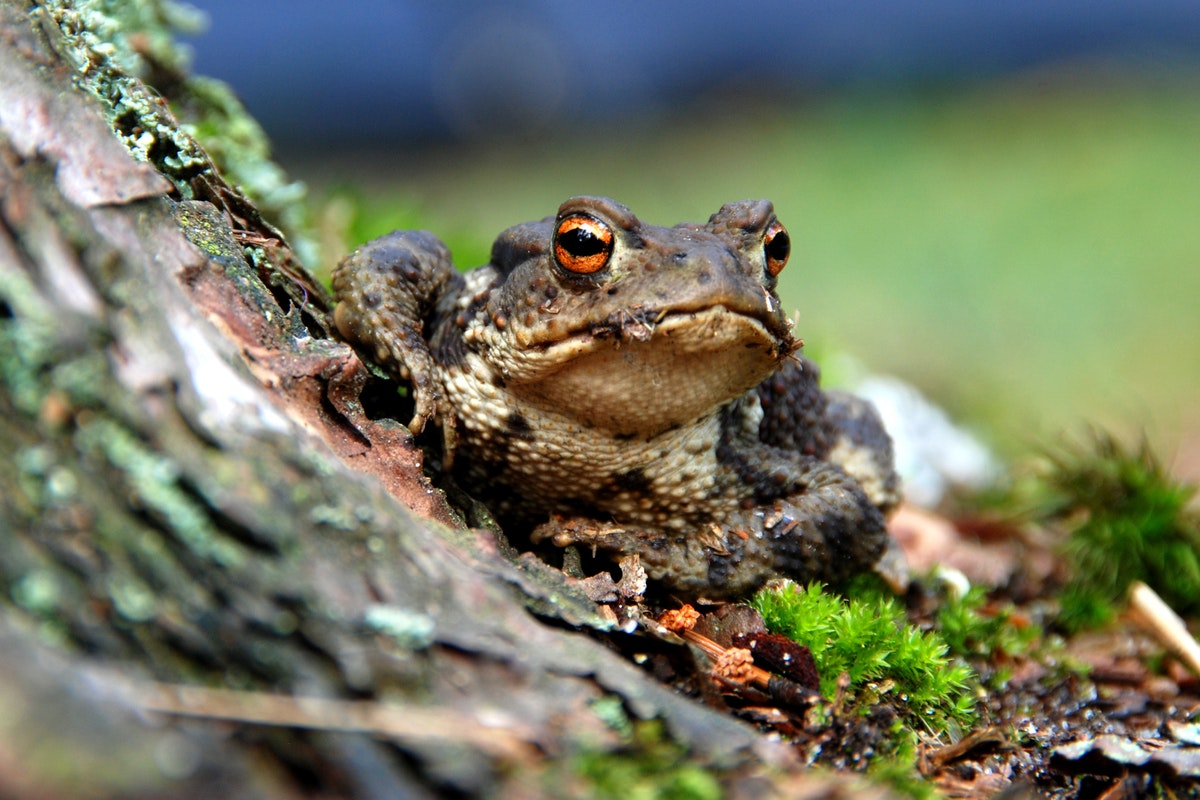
x=700 y=330
x=639 y=323
x=639 y=376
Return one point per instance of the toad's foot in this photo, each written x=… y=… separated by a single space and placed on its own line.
x=829 y=531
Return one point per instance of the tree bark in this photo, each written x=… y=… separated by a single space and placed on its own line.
x=191 y=495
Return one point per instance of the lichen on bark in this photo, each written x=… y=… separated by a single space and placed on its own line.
x=191 y=492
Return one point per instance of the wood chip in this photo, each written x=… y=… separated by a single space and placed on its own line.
x=1165 y=624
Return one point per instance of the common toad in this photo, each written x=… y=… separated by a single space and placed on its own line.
x=632 y=389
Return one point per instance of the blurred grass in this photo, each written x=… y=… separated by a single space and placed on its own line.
x=1027 y=252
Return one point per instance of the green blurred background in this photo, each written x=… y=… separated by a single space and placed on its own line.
x=995 y=202
x=1025 y=250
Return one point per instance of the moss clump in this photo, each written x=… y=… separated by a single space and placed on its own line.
x=969 y=631
x=651 y=766
x=990 y=637
x=1127 y=520
x=899 y=772
x=871 y=641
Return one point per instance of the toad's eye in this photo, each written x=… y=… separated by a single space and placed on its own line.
x=777 y=246
x=582 y=244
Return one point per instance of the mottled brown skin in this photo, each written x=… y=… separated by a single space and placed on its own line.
x=655 y=406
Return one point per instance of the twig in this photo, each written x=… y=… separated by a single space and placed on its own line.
x=502 y=737
x=935 y=759
x=1165 y=624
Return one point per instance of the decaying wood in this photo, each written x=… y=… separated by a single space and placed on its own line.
x=191 y=494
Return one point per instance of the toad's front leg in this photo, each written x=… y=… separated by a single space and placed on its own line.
x=388 y=291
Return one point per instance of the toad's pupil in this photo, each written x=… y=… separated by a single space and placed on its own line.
x=581 y=242
x=779 y=247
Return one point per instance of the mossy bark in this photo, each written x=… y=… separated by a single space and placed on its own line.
x=190 y=493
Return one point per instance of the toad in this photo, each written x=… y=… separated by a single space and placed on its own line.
x=633 y=390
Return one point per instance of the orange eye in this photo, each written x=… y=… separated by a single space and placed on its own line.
x=582 y=244
x=777 y=246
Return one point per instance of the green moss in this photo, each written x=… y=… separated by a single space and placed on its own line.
x=871 y=641
x=899 y=772
x=1126 y=520
x=969 y=631
x=611 y=711
x=652 y=766
x=991 y=635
